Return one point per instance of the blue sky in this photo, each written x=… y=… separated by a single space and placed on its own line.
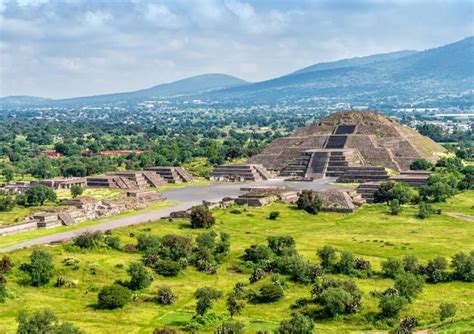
x=66 y=48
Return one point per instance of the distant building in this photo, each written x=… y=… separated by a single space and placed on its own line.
x=51 y=154
x=120 y=152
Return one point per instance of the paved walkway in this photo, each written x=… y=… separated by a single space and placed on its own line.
x=187 y=197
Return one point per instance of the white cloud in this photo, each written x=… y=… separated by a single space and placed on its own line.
x=161 y=16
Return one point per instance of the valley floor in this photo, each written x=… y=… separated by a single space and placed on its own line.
x=370 y=232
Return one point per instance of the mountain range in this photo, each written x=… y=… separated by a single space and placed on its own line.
x=441 y=74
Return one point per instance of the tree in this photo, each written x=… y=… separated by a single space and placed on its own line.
x=140 y=277
x=40 y=267
x=391 y=267
x=336 y=300
x=435 y=270
x=88 y=239
x=346 y=263
x=269 y=293
x=205 y=297
x=38 y=195
x=406 y=325
x=446 y=310
x=273 y=215
x=309 y=202
x=421 y=164
x=7 y=202
x=327 y=254
x=165 y=296
x=167 y=268
x=395 y=207
x=76 y=190
x=6 y=264
x=411 y=264
x=201 y=217
x=390 y=305
x=113 y=296
x=8 y=174
x=463 y=266
x=234 y=304
x=230 y=327
x=408 y=285
x=44 y=322
x=281 y=245
x=298 y=324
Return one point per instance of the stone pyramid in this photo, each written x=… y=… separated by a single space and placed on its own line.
x=347 y=139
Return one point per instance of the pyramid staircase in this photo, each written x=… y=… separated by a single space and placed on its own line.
x=360 y=174
x=171 y=174
x=153 y=179
x=366 y=190
x=237 y=172
x=65 y=218
x=185 y=176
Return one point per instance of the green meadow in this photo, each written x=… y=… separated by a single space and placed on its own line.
x=371 y=232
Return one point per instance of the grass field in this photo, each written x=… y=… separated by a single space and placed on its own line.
x=370 y=232
x=97 y=193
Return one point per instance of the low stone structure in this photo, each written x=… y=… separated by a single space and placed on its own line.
x=62 y=182
x=340 y=200
x=172 y=174
x=359 y=174
x=240 y=172
x=130 y=179
x=18 y=187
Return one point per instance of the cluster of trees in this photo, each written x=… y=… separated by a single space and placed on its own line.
x=309 y=202
x=33 y=196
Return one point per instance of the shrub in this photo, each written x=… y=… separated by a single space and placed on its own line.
x=408 y=285
x=43 y=321
x=410 y=264
x=140 y=277
x=167 y=268
x=130 y=248
x=435 y=270
x=389 y=191
x=3 y=292
x=421 y=164
x=257 y=253
x=37 y=195
x=230 y=327
x=346 y=263
x=113 y=296
x=348 y=286
x=298 y=324
x=463 y=266
x=165 y=296
x=205 y=297
x=336 y=300
x=113 y=242
x=270 y=293
x=395 y=207
x=165 y=330
x=391 y=267
x=299 y=269
x=309 y=202
x=273 y=215
x=76 y=191
x=201 y=217
x=88 y=239
x=446 y=310
x=147 y=241
x=390 y=305
x=281 y=245
x=234 y=304
x=40 y=267
x=256 y=275
x=327 y=254
x=406 y=325
x=6 y=264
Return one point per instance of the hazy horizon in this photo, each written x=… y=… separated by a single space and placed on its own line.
x=79 y=48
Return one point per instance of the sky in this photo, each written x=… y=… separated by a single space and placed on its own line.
x=68 y=48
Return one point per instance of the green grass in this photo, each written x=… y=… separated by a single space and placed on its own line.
x=13 y=239
x=370 y=232
x=197 y=182
x=18 y=213
x=97 y=193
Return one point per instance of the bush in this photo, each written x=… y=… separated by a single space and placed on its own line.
x=257 y=253
x=88 y=239
x=147 y=241
x=230 y=327
x=205 y=297
x=113 y=242
x=298 y=324
x=395 y=207
x=6 y=264
x=389 y=191
x=3 y=292
x=76 y=191
x=421 y=164
x=463 y=266
x=270 y=293
x=256 y=275
x=167 y=268
x=408 y=285
x=165 y=296
x=299 y=269
x=411 y=264
x=435 y=270
x=406 y=325
x=201 y=217
x=40 y=267
x=165 y=330
x=113 y=296
x=273 y=215
x=346 y=263
x=391 y=267
x=390 y=305
x=446 y=310
x=37 y=195
x=309 y=202
x=140 y=277
x=43 y=321
x=327 y=254
x=335 y=300
x=234 y=304
x=281 y=245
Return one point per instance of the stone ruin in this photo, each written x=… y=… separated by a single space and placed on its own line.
x=78 y=209
x=339 y=200
x=240 y=173
x=129 y=179
x=62 y=182
x=172 y=174
x=353 y=146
